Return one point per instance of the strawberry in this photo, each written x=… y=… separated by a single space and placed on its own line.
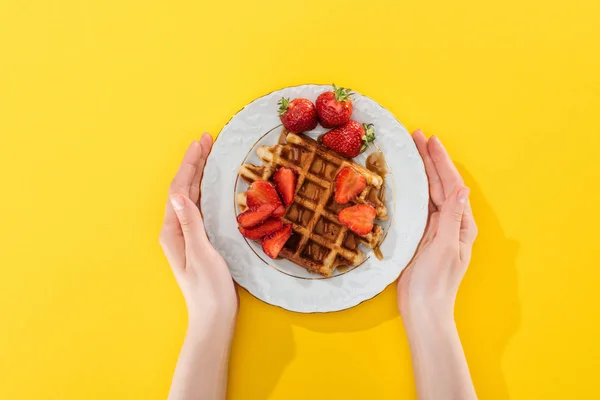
x=334 y=108
x=298 y=115
x=270 y=225
x=279 y=211
x=285 y=181
x=255 y=215
x=348 y=185
x=273 y=243
x=262 y=192
x=351 y=139
x=358 y=218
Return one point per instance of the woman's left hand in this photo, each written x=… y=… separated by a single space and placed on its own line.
x=205 y=282
x=200 y=271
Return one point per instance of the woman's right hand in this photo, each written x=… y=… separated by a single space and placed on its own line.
x=428 y=286
x=432 y=279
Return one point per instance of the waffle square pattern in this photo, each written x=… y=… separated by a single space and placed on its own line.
x=319 y=243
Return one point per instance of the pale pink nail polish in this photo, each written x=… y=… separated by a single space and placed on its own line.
x=463 y=194
x=177 y=202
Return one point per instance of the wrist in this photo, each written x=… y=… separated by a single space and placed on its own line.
x=425 y=314
x=217 y=319
x=214 y=332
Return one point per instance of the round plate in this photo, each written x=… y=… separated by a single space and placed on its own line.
x=280 y=282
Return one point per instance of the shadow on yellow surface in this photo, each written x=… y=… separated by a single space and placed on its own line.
x=269 y=338
x=490 y=285
x=267 y=341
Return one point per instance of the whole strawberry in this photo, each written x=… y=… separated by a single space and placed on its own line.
x=298 y=115
x=351 y=139
x=334 y=108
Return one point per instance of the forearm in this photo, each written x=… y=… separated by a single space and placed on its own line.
x=201 y=371
x=439 y=364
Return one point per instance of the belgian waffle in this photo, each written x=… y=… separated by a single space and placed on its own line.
x=319 y=243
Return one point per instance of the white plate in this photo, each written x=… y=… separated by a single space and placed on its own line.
x=280 y=282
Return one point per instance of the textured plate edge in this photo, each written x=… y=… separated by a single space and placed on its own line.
x=423 y=222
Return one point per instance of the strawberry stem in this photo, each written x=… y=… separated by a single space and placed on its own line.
x=342 y=94
x=368 y=137
x=283 y=105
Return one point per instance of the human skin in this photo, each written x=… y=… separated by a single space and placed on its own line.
x=426 y=290
x=205 y=282
x=428 y=287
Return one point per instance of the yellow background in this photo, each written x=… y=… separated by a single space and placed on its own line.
x=99 y=99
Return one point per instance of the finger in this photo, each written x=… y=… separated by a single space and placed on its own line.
x=431 y=230
x=205 y=144
x=185 y=174
x=432 y=207
x=451 y=217
x=436 y=190
x=449 y=175
x=206 y=141
x=451 y=179
x=465 y=253
x=182 y=181
x=173 y=245
x=191 y=223
x=468 y=228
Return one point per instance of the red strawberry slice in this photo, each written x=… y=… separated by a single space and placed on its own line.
x=358 y=218
x=262 y=192
x=279 y=211
x=285 y=180
x=273 y=243
x=270 y=225
x=348 y=185
x=255 y=215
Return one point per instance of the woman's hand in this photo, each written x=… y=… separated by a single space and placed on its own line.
x=432 y=279
x=427 y=288
x=200 y=271
x=205 y=282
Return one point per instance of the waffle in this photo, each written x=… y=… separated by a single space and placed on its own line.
x=319 y=243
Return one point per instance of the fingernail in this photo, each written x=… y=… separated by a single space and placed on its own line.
x=463 y=195
x=417 y=131
x=177 y=202
x=437 y=139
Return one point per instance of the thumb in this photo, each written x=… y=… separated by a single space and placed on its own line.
x=451 y=216
x=190 y=221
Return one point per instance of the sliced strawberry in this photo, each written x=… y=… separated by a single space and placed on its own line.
x=348 y=185
x=358 y=218
x=273 y=243
x=279 y=211
x=270 y=225
x=285 y=180
x=262 y=192
x=255 y=215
